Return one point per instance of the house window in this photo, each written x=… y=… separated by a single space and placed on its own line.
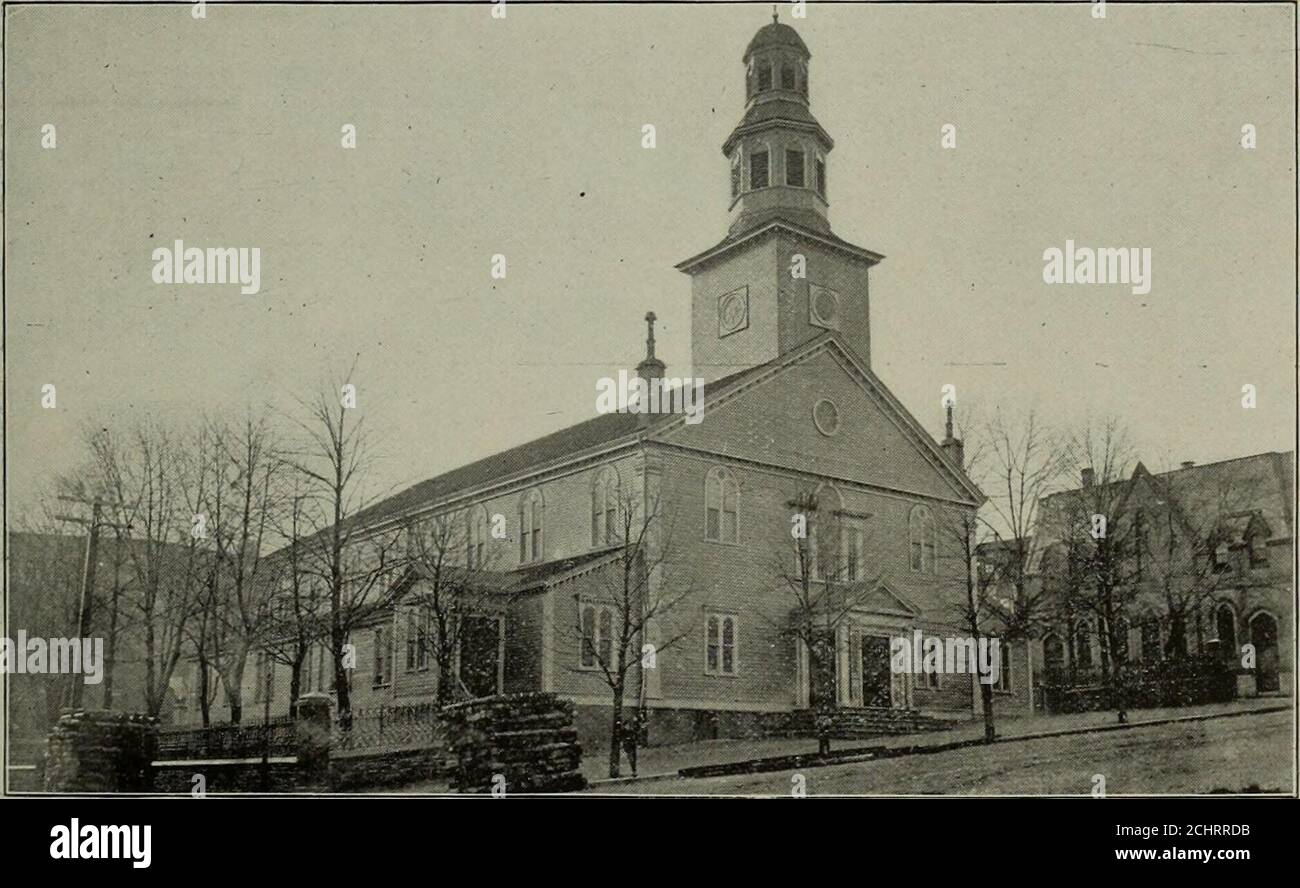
x=720 y=645
x=921 y=537
x=721 y=507
x=530 y=527
x=476 y=538
x=1150 y=641
x=794 y=167
x=821 y=176
x=597 y=637
x=1222 y=559
x=735 y=175
x=412 y=644
x=764 y=77
x=264 y=675
x=758 y=169
x=1258 y=550
x=1004 y=666
x=382 y=657
x=1083 y=646
x=605 y=507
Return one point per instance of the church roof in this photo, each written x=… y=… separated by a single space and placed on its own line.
x=776 y=34
x=607 y=428
x=779 y=218
x=785 y=110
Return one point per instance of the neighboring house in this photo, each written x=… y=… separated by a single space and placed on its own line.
x=791 y=407
x=1205 y=567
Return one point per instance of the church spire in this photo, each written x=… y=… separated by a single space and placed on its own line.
x=778 y=151
x=650 y=367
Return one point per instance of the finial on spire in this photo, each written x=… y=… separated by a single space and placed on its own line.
x=650 y=335
x=774 y=13
x=947 y=426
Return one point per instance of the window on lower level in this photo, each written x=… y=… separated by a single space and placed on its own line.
x=597 y=637
x=720 y=644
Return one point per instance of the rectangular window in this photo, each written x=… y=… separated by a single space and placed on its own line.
x=758 y=169
x=720 y=644
x=411 y=643
x=424 y=640
x=259 y=677
x=852 y=555
x=1004 y=666
x=597 y=637
x=821 y=177
x=794 y=168
x=381 y=657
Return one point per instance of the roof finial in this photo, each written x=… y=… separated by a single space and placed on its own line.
x=947 y=426
x=650 y=335
x=774 y=13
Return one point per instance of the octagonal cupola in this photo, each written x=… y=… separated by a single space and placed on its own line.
x=777 y=153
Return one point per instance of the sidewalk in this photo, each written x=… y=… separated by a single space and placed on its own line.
x=665 y=761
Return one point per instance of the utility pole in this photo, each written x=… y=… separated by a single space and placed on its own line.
x=88 y=574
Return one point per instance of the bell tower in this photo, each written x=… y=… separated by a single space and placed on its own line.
x=780 y=277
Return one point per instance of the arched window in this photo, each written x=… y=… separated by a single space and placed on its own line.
x=735 y=175
x=824 y=526
x=921 y=538
x=530 y=526
x=476 y=535
x=721 y=506
x=720 y=645
x=605 y=507
x=787 y=75
x=1053 y=656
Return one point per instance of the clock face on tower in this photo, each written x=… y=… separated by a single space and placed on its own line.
x=733 y=311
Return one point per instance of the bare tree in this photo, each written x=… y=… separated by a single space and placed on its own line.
x=825 y=582
x=239 y=505
x=642 y=596
x=299 y=612
x=160 y=480
x=1098 y=531
x=452 y=561
x=356 y=561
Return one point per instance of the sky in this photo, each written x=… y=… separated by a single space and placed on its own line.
x=522 y=136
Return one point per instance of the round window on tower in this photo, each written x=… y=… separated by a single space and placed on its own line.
x=823 y=307
x=826 y=416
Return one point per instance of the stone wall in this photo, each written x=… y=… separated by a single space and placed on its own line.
x=526 y=740
x=100 y=751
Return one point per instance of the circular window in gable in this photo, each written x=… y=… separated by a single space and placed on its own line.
x=826 y=416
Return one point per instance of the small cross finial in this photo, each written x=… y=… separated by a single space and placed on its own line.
x=650 y=334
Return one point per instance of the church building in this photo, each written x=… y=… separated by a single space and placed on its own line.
x=793 y=414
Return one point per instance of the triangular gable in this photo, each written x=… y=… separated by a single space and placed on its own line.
x=879 y=411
